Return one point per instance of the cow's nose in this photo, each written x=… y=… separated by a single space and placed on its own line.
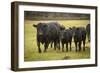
x=40 y=33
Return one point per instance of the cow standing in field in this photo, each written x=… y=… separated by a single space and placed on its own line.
x=88 y=31
x=47 y=33
x=66 y=38
x=79 y=37
x=57 y=43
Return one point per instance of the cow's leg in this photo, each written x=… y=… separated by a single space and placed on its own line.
x=76 y=46
x=62 y=47
x=70 y=46
x=59 y=44
x=88 y=37
x=83 y=45
x=45 y=47
x=55 y=44
x=51 y=44
x=39 y=49
x=79 y=45
x=67 y=47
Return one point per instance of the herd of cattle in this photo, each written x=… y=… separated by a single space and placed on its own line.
x=53 y=33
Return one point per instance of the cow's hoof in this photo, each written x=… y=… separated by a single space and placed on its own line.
x=39 y=51
x=66 y=50
x=45 y=51
x=62 y=50
x=58 y=48
x=79 y=51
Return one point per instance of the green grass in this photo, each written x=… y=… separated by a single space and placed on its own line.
x=31 y=50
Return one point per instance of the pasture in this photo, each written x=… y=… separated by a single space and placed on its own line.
x=31 y=49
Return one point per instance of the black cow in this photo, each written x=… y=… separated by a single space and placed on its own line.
x=88 y=31
x=57 y=43
x=66 y=38
x=79 y=37
x=47 y=33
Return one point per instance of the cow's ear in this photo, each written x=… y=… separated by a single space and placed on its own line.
x=34 y=25
x=62 y=28
x=70 y=28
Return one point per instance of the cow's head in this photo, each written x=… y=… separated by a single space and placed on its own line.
x=41 y=28
x=62 y=27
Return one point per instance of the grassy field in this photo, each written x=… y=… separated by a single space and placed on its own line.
x=31 y=50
